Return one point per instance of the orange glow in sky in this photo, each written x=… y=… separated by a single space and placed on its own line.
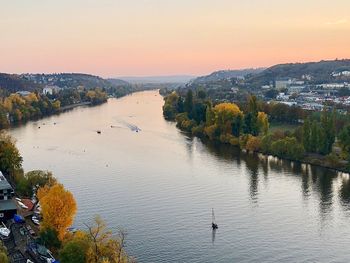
x=163 y=37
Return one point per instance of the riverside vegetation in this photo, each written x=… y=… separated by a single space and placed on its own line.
x=319 y=138
x=96 y=244
x=15 y=108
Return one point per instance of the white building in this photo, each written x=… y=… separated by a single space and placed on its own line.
x=51 y=90
x=282 y=83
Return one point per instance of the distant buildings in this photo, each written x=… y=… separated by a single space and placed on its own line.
x=282 y=83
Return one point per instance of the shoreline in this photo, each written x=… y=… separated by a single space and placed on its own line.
x=204 y=139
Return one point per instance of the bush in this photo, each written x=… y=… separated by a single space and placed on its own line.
x=288 y=148
x=198 y=130
x=212 y=131
x=253 y=144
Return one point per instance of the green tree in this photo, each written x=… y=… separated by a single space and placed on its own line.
x=49 y=238
x=344 y=138
x=307 y=135
x=188 y=104
x=76 y=250
x=10 y=158
x=314 y=137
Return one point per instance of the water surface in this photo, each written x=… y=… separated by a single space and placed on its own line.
x=160 y=185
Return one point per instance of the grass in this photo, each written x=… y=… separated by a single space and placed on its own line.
x=283 y=126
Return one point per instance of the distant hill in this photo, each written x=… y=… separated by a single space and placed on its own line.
x=14 y=83
x=70 y=80
x=10 y=83
x=119 y=82
x=181 y=79
x=226 y=74
x=317 y=72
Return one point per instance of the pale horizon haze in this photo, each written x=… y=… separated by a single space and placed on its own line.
x=162 y=37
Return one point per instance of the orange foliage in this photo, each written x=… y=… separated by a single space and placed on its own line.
x=58 y=208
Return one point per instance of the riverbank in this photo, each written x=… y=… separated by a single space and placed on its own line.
x=311 y=143
x=160 y=180
x=68 y=107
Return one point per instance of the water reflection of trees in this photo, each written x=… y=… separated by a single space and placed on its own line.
x=312 y=178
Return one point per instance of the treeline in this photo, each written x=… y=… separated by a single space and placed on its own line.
x=16 y=108
x=247 y=126
x=94 y=244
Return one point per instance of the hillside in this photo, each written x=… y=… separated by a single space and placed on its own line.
x=10 y=83
x=226 y=74
x=318 y=72
x=69 y=80
x=13 y=83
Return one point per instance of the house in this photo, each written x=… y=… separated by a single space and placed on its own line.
x=51 y=90
x=8 y=207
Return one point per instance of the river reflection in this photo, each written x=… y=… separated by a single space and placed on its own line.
x=161 y=184
x=314 y=179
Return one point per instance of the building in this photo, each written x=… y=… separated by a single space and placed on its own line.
x=8 y=207
x=282 y=83
x=51 y=90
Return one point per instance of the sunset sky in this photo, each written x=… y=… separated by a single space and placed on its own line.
x=166 y=37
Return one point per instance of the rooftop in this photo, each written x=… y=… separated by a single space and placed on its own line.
x=4 y=184
x=7 y=205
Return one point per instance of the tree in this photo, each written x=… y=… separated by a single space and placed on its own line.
x=28 y=184
x=188 y=104
x=263 y=122
x=344 y=137
x=76 y=249
x=307 y=135
x=237 y=125
x=3 y=253
x=224 y=116
x=253 y=144
x=104 y=246
x=10 y=158
x=58 y=208
x=314 y=135
x=49 y=238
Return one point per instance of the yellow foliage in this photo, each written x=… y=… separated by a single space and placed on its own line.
x=210 y=131
x=263 y=122
x=225 y=114
x=31 y=98
x=58 y=208
x=253 y=143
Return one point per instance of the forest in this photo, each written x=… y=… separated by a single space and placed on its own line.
x=321 y=138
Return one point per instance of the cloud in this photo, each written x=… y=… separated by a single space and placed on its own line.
x=337 y=22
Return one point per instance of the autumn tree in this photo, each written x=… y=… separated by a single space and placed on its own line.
x=58 y=208
x=3 y=253
x=225 y=114
x=263 y=122
x=104 y=246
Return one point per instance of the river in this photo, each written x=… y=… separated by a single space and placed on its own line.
x=160 y=185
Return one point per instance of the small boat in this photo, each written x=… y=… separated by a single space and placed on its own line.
x=214 y=225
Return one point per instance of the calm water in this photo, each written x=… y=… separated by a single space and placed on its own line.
x=160 y=185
